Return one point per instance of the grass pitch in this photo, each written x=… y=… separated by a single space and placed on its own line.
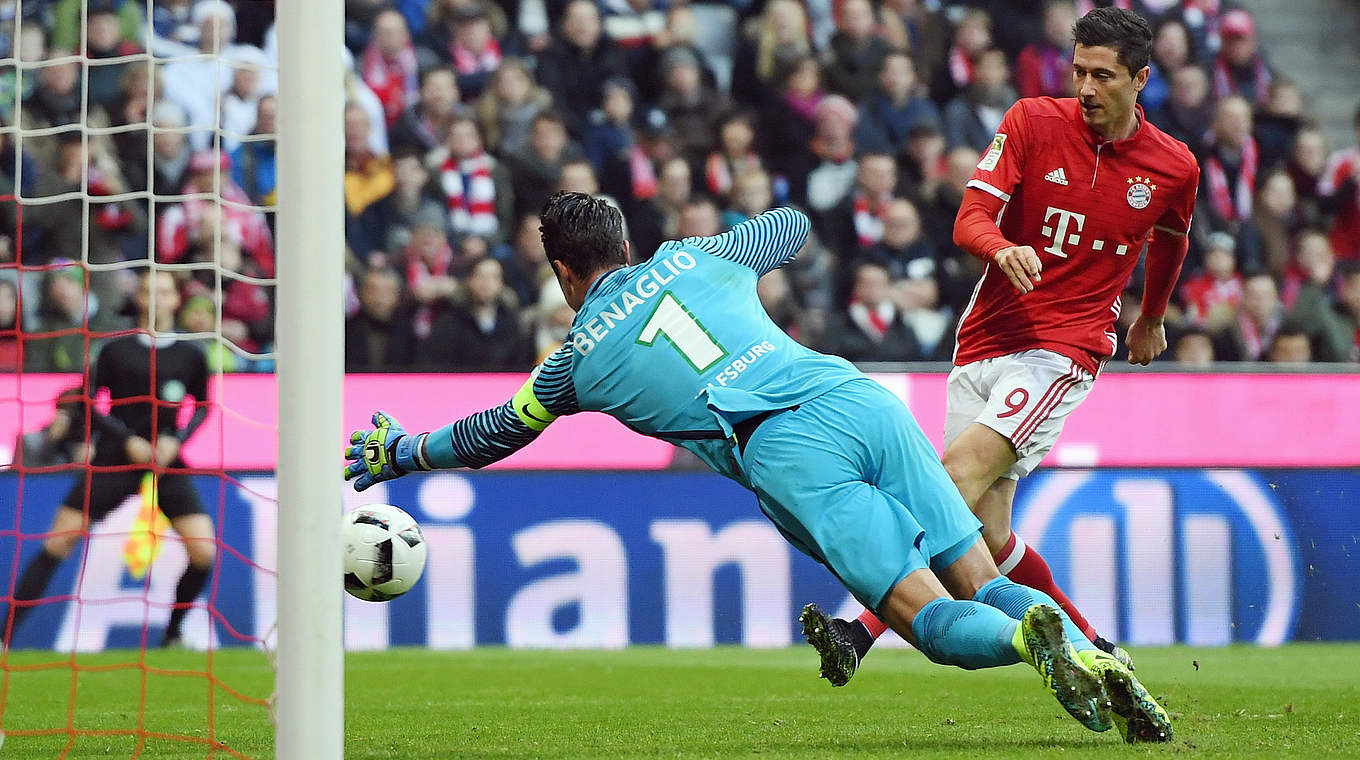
x=1301 y=700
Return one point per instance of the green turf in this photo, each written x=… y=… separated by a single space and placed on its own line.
x=1296 y=701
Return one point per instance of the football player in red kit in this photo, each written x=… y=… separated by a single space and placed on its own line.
x=1060 y=207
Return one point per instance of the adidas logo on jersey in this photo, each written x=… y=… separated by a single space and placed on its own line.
x=1057 y=175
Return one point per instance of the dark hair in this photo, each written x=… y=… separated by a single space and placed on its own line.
x=584 y=233
x=1125 y=32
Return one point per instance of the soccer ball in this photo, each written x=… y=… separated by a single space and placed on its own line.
x=384 y=552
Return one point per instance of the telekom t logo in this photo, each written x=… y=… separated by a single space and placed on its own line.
x=1062 y=237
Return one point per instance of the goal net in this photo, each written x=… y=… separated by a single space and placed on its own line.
x=137 y=280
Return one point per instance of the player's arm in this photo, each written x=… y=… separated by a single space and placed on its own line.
x=388 y=452
x=1167 y=246
x=998 y=173
x=766 y=242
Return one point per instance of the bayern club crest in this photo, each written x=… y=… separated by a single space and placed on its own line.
x=1140 y=192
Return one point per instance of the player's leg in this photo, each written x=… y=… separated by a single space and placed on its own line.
x=67 y=527
x=180 y=502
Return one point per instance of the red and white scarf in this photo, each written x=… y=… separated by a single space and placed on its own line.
x=718 y=171
x=1225 y=86
x=868 y=220
x=642 y=172
x=470 y=193
x=467 y=62
x=1233 y=207
x=874 y=322
x=960 y=67
x=418 y=270
x=393 y=80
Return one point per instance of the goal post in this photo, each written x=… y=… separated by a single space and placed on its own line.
x=310 y=365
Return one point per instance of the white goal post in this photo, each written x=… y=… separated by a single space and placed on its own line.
x=310 y=362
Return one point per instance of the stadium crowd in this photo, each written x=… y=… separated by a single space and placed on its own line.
x=463 y=116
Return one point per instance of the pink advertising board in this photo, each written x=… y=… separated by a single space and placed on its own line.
x=1139 y=419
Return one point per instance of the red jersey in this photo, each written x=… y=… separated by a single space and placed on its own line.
x=1087 y=206
x=1341 y=169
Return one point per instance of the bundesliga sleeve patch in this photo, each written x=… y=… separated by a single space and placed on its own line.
x=993 y=154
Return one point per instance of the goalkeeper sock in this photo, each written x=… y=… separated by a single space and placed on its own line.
x=967 y=634
x=1014 y=600
x=1025 y=566
x=190 y=584
x=32 y=584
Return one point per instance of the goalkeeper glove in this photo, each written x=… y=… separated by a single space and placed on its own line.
x=383 y=453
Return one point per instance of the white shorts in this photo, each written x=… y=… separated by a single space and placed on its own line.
x=1025 y=396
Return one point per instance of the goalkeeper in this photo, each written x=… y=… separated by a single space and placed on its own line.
x=148 y=376
x=679 y=348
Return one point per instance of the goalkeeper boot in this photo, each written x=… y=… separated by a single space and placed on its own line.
x=1115 y=651
x=1136 y=714
x=831 y=638
x=1042 y=643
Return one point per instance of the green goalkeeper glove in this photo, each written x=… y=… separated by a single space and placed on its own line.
x=384 y=453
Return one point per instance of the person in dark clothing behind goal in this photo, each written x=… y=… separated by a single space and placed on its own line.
x=129 y=442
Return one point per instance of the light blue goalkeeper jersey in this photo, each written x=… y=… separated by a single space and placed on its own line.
x=677 y=348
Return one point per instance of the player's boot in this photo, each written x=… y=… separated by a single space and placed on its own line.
x=830 y=637
x=1115 y=651
x=1136 y=714
x=1043 y=644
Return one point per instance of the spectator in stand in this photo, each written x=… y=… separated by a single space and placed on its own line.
x=476 y=51
x=1340 y=187
x=888 y=115
x=239 y=102
x=189 y=230
x=379 y=337
x=61 y=441
x=1258 y=320
x=1187 y=109
x=58 y=97
x=1240 y=69
x=413 y=198
x=692 y=108
x=59 y=344
x=634 y=25
x=856 y=223
x=1310 y=276
x=1171 y=51
x=787 y=125
x=938 y=201
x=127 y=17
x=916 y=276
x=1044 y=68
x=870 y=328
x=369 y=181
x=424 y=125
x=428 y=261
x=196 y=83
x=833 y=147
x=254 y=163
x=10 y=326
x=1194 y=349
x=552 y=319
x=198 y=315
x=1291 y=345
x=104 y=39
x=357 y=92
x=1212 y=296
x=699 y=218
x=769 y=43
x=735 y=154
x=972 y=38
x=856 y=51
x=477 y=189
x=973 y=117
x=483 y=334
x=506 y=110
x=578 y=176
x=609 y=138
x=525 y=265
x=1230 y=165
x=247 y=312
x=389 y=64
x=576 y=66
x=1306 y=166
x=535 y=172
x=658 y=219
x=920 y=29
x=1342 y=337
x=1278 y=122
x=681 y=32
x=170 y=149
x=439 y=42
x=172 y=26
x=137 y=92
x=1275 y=218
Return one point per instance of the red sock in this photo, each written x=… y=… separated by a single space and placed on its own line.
x=872 y=624
x=1023 y=564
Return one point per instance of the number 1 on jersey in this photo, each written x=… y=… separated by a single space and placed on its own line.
x=672 y=319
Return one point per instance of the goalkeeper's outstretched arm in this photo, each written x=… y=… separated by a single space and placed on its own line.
x=388 y=452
